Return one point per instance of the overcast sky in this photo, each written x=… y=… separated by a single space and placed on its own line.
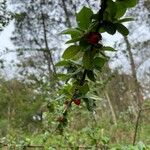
x=109 y=40
x=5 y=42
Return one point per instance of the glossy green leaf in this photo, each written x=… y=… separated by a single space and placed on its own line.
x=112 y=8
x=101 y=29
x=109 y=27
x=75 y=72
x=122 y=29
x=87 y=61
x=71 y=51
x=128 y=3
x=90 y=75
x=74 y=40
x=90 y=103
x=125 y=20
x=63 y=77
x=108 y=48
x=62 y=63
x=84 y=89
x=83 y=43
x=99 y=62
x=84 y=18
x=73 y=32
x=121 y=10
x=95 y=16
x=78 y=63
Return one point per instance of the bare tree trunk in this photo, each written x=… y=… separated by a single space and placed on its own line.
x=133 y=69
x=111 y=108
x=137 y=87
x=8 y=117
x=66 y=13
x=136 y=126
x=47 y=51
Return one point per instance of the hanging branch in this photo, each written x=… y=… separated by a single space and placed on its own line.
x=63 y=119
x=85 y=38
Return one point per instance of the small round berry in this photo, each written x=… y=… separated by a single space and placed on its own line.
x=93 y=38
x=77 y=101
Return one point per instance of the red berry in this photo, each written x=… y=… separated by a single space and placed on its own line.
x=77 y=101
x=93 y=38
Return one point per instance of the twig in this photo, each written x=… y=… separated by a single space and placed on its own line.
x=138 y=122
x=82 y=81
x=136 y=126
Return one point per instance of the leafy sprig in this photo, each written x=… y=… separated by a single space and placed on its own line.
x=86 y=54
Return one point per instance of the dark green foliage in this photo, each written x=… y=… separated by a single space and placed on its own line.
x=71 y=51
x=87 y=42
x=84 y=18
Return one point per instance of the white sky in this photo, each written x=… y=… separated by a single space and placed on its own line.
x=5 y=36
x=5 y=42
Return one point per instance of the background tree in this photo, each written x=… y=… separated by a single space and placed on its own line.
x=5 y=16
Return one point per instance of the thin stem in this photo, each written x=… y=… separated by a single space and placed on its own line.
x=137 y=126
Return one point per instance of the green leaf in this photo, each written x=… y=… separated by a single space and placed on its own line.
x=74 y=40
x=84 y=18
x=121 y=10
x=62 y=63
x=90 y=103
x=92 y=96
x=75 y=72
x=75 y=62
x=101 y=29
x=99 y=62
x=84 y=89
x=63 y=77
x=105 y=140
x=109 y=27
x=87 y=61
x=108 y=48
x=71 y=51
x=128 y=3
x=112 y=8
x=83 y=43
x=90 y=75
x=125 y=20
x=95 y=16
x=122 y=29
x=73 y=32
